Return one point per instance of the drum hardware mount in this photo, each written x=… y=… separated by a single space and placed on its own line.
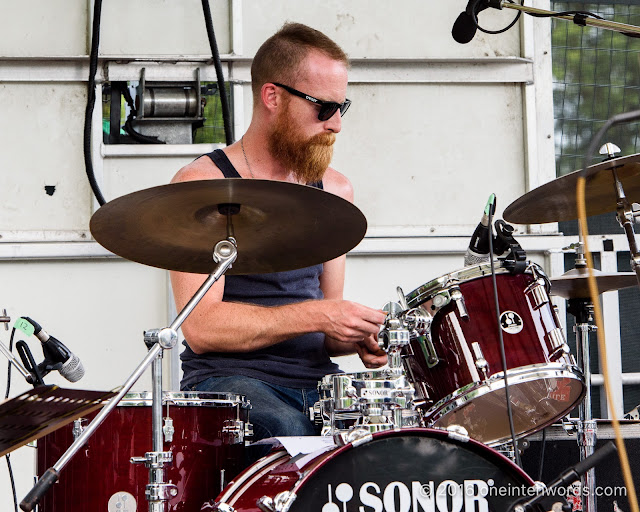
x=237 y=431
x=587 y=433
x=158 y=492
x=280 y=503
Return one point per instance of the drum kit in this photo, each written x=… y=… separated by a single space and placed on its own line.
x=423 y=433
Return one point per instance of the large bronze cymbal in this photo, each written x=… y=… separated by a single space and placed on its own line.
x=280 y=226
x=574 y=283
x=556 y=201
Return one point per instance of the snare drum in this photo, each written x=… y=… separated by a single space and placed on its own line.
x=457 y=370
x=375 y=401
x=413 y=469
x=207 y=446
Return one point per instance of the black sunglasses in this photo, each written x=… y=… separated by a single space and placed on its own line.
x=327 y=108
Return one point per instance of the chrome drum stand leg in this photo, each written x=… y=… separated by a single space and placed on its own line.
x=582 y=309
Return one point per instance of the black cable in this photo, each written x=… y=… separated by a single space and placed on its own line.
x=13 y=482
x=474 y=16
x=503 y=356
x=91 y=99
x=224 y=101
x=544 y=444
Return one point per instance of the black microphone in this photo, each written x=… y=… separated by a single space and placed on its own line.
x=478 y=250
x=465 y=26
x=57 y=356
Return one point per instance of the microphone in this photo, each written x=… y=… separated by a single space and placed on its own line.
x=57 y=356
x=465 y=26
x=478 y=250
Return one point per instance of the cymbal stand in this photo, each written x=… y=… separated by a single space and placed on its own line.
x=627 y=215
x=157 y=491
x=582 y=309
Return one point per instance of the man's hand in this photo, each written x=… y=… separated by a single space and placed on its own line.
x=349 y=322
x=370 y=353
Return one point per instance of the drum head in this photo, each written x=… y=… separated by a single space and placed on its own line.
x=413 y=469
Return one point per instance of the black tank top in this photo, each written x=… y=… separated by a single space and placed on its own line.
x=298 y=362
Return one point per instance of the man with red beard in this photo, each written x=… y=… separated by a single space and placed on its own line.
x=270 y=336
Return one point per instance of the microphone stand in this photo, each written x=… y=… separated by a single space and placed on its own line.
x=578 y=19
x=158 y=491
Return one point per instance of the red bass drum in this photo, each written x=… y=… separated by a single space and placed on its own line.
x=401 y=470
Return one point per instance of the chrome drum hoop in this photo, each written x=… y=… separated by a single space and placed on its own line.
x=186 y=399
x=521 y=375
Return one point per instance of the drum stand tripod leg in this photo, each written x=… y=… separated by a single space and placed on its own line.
x=587 y=429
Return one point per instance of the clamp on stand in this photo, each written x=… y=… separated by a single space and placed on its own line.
x=158 y=491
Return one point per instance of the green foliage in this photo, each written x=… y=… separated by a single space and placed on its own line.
x=596 y=75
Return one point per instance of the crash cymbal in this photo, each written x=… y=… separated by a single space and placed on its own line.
x=556 y=201
x=574 y=283
x=280 y=226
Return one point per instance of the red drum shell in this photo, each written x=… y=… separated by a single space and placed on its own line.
x=101 y=471
x=544 y=382
x=394 y=469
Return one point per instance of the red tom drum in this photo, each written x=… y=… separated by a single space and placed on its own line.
x=207 y=439
x=399 y=470
x=456 y=366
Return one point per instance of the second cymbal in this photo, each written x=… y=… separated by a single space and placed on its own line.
x=556 y=201
x=574 y=283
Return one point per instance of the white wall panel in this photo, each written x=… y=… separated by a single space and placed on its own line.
x=43 y=28
x=162 y=27
x=41 y=133
x=431 y=154
x=383 y=29
x=125 y=175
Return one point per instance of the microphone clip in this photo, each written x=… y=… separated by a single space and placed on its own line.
x=516 y=260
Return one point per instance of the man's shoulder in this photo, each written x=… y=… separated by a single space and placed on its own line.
x=202 y=168
x=338 y=184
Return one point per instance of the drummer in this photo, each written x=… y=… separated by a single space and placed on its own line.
x=270 y=336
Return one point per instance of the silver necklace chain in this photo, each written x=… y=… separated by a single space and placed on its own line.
x=245 y=157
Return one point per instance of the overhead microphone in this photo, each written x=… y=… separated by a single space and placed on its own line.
x=478 y=250
x=57 y=356
x=465 y=26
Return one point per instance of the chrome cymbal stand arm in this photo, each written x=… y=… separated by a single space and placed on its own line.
x=582 y=309
x=158 y=492
x=626 y=217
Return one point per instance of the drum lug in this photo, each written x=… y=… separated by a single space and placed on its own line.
x=538 y=292
x=430 y=355
x=557 y=341
x=236 y=431
x=168 y=430
x=78 y=427
x=481 y=362
x=456 y=295
x=281 y=503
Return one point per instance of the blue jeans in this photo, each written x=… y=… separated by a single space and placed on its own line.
x=275 y=410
